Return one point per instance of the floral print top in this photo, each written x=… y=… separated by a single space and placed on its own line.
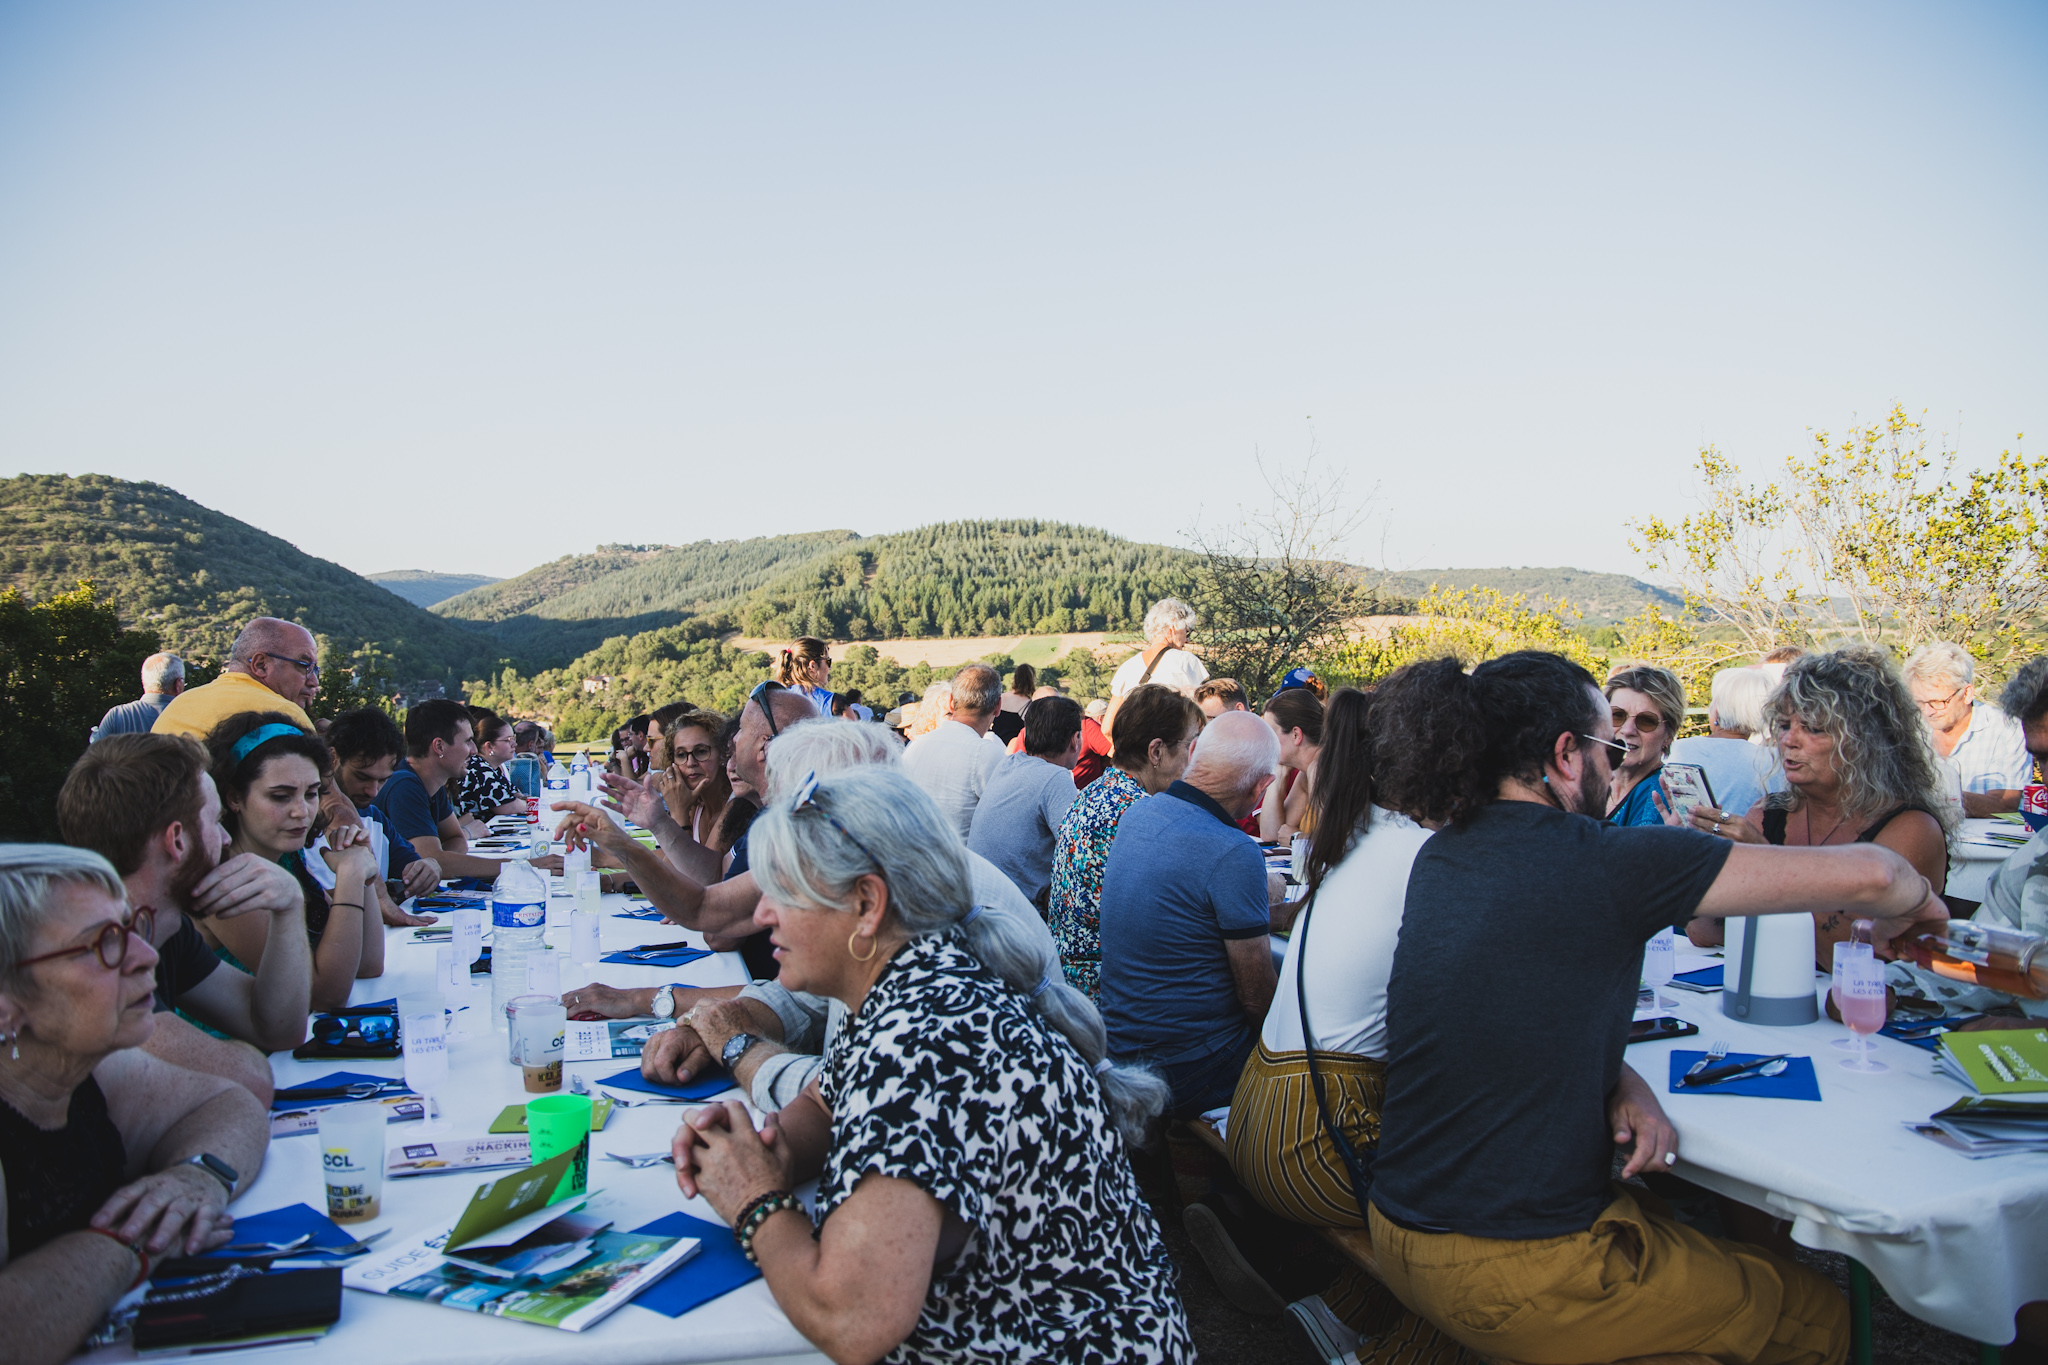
x=1079 y=854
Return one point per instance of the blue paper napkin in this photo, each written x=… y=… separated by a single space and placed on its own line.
x=719 y=1267
x=703 y=1088
x=1796 y=1082
x=285 y=1224
x=674 y=957
x=1931 y=1042
x=640 y=912
x=1704 y=976
x=285 y=1101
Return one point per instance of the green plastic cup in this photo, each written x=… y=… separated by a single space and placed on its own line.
x=557 y=1124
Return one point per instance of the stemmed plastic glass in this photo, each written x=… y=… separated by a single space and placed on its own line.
x=1660 y=963
x=1862 y=1005
x=1856 y=945
x=422 y=1030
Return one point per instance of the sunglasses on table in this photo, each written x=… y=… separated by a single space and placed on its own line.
x=1647 y=722
x=336 y=1029
x=111 y=943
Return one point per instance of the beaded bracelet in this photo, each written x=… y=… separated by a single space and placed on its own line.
x=755 y=1214
x=140 y=1253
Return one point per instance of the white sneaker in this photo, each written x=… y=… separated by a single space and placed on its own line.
x=1320 y=1332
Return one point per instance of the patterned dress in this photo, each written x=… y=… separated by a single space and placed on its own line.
x=481 y=789
x=948 y=1079
x=1079 y=854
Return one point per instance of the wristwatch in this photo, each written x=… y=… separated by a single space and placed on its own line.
x=665 y=1003
x=735 y=1048
x=218 y=1169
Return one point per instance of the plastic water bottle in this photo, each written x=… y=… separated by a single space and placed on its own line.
x=557 y=790
x=579 y=777
x=519 y=921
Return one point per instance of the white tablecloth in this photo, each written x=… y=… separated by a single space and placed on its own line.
x=1974 y=858
x=1959 y=1243
x=374 y=1330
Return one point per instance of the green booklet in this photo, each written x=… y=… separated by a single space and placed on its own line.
x=508 y=1212
x=1997 y=1061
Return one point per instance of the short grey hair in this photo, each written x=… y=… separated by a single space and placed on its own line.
x=977 y=689
x=267 y=635
x=1738 y=699
x=2026 y=697
x=828 y=746
x=27 y=872
x=802 y=859
x=1169 y=613
x=1236 y=749
x=159 y=671
x=1941 y=661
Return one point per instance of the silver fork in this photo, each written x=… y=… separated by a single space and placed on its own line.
x=1715 y=1053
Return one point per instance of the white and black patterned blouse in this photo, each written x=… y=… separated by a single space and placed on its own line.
x=947 y=1078
x=481 y=789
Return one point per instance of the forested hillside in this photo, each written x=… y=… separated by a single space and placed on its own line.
x=563 y=608
x=1605 y=598
x=423 y=588
x=195 y=575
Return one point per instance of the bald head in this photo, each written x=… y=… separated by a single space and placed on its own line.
x=281 y=655
x=1236 y=753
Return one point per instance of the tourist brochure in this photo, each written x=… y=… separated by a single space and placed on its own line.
x=509 y=1220
x=451 y=1155
x=1981 y=1126
x=1997 y=1061
x=600 y=1040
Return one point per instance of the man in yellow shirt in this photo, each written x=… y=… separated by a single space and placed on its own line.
x=273 y=666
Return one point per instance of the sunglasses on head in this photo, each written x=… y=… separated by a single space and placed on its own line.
x=807 y=799
x=759 y=696
x=1647 y=722
x=337 y=1029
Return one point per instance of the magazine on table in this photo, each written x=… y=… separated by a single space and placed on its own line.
x=514 y=1255
x=2010 y=1061
x=600 y=1040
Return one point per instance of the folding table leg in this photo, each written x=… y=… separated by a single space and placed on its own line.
x=1859 y=1313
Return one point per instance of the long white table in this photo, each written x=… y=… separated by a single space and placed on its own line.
x=1975 y=857
x=742 y=1325
x=1959 y=1243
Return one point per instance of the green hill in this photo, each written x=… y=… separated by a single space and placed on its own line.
x=423 y=588
x=1605 y=598
x=195 y=575
x=563 y=608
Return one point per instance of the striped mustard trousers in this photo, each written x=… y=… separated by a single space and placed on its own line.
x=1283 y=1156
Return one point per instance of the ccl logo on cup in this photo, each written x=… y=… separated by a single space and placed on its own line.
x=337 y=1159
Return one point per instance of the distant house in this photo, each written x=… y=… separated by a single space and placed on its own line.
x=601 y=683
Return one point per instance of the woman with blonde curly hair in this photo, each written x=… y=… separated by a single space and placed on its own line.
x=1860 y=769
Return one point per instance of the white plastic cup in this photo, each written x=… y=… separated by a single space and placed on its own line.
x=468 y=936
x=544 y=972
x=352 y=1161
x=539 y=1029
x=454 y=982
x=585 y=928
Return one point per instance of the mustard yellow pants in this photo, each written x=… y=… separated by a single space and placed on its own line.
x=1634 y=1284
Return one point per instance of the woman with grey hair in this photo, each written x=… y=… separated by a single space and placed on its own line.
x=1859 y=768
x=111 y=1159
x=1738 y=771
x=1165 y=659
x=975 y=1202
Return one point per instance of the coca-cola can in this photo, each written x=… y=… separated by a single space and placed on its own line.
x=2034 y=805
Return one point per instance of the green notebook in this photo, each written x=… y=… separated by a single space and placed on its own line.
x=1997 y=1061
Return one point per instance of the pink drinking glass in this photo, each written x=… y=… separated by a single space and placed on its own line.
x=1862 y=1004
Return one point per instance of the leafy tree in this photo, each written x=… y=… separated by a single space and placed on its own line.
x=1869 y=536
x=1470 y=625
x=349 y=682
x=63 y=662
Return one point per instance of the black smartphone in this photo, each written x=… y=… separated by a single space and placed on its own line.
x=1662 y=1027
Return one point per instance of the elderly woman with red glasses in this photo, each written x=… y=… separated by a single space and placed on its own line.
x=110 y=1158
x=1649 y=706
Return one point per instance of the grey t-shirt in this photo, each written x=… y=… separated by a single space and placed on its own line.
x=1508 y=1006
x=1019 y=817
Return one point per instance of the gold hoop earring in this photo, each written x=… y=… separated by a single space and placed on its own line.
x=873 y=948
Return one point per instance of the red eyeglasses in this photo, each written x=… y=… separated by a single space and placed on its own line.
x=111 y=943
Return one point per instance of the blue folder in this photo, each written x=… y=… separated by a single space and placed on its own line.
x=287 y=1223
x=674 y=957
x=1796 y=1082
x=719 y=1267
x=703 y=1088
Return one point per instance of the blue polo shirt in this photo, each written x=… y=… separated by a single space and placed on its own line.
x=409 y=812
x=1182 y=879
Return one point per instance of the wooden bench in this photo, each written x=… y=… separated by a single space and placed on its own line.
x=1355 y=1245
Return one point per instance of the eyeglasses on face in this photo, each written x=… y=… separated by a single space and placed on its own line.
x=111 y=943
x=306 y=666
x=759 y=696
x=1614 y=744
x=1939 y=703
x=701 y=754
x=1647 y=722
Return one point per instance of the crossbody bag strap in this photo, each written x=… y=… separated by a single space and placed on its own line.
x=1356 y=1164
x=1154 y=664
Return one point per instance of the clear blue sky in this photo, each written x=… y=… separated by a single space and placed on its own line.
x=465 y=287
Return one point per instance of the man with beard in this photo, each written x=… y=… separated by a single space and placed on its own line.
x=1492 y=1209
x=146 y=804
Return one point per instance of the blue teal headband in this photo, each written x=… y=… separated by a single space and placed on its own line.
x=262 y=734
